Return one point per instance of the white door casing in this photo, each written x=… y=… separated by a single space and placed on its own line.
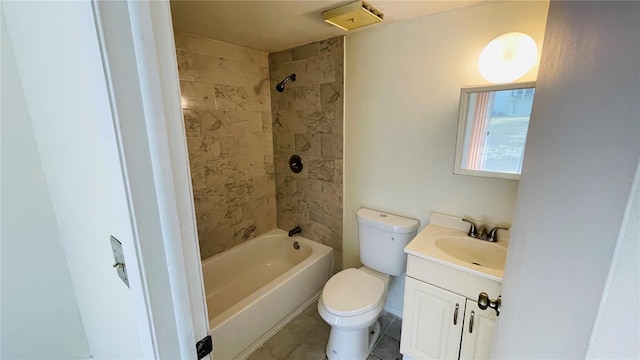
x=153 y=134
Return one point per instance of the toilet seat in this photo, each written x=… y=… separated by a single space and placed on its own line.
x=352 y=292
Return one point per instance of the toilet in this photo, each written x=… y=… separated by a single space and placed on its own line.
x=353 y=299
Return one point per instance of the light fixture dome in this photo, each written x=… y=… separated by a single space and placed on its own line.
x=508 y=57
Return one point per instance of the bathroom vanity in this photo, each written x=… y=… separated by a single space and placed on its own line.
x=446 y=272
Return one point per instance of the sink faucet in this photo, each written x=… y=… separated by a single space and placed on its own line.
x=493 y=234
x=481 y=232
x=472 y=230
x=295 y=230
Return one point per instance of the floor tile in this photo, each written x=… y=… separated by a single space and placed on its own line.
x=306 y=337
x=262 y=354
x=303 y=325
x=307 y=352
x=387 y=349
x=312 y=311
x=319 y=339
x=395 y=329
x=385 y=320
x=283 y=343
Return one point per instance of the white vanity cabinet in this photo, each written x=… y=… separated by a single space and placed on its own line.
x=447 y=270
x=441 y=324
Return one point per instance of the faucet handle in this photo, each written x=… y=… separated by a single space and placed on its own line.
x=492 y=236
x=472 y=230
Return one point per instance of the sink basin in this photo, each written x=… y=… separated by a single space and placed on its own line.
x=450 y=246
x=477 y=252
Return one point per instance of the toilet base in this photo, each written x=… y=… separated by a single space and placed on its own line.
x=352 y=344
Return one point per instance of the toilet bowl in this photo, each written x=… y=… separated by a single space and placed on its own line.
x=353 y=299
x=351 y=302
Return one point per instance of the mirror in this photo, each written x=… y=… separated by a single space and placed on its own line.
x=492 y=129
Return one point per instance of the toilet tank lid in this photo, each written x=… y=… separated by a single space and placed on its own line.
x=387 y=222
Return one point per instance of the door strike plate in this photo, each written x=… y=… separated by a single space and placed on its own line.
x=118 y=257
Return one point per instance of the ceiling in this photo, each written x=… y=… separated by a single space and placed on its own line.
x=277 y=25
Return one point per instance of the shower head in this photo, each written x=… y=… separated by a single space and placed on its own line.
x=280 y=86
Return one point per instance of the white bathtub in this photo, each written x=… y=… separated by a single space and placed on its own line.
x=255 y=288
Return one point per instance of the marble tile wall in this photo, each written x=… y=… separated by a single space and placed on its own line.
x=227 y=111
x=308 y=121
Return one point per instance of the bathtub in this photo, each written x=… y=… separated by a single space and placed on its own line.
x=256 y=288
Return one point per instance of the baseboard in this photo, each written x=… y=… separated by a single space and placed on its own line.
x=393 y=310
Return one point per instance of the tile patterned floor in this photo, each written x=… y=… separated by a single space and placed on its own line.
x=306 y=336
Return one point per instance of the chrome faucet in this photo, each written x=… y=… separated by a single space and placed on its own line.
x=472 y=230
x=493 y=234
x=481 y=232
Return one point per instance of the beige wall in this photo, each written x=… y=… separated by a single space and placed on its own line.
x=307 y=120
x=402 y=88
x=227 y=111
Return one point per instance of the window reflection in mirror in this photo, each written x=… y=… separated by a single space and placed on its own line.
x=492 y=129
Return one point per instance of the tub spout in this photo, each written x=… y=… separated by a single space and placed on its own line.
x=295 y=230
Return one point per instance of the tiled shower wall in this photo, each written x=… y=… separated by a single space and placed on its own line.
x=227 y=110
x=308 y=121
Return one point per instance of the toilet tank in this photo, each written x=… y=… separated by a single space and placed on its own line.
x=382 y=238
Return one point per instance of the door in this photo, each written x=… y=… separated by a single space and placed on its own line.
x=478 y=331
x=432 y=321
x=100 y=83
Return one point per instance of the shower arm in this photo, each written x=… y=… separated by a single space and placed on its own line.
x=280 y=86
x=291 y=77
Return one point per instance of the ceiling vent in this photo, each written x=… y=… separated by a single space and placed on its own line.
x=352 y=16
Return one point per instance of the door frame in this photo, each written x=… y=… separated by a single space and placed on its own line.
x=139 y=58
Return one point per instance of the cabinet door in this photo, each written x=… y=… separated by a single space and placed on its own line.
x=432 y=321
x=477 y=335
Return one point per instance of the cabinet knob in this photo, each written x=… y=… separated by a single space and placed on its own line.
x=484 y=302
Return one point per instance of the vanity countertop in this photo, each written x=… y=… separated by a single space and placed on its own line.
x=452 y=247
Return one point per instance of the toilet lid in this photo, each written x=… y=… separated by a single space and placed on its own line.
x=352 y=292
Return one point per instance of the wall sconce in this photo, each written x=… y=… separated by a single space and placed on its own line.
x=508 y=57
